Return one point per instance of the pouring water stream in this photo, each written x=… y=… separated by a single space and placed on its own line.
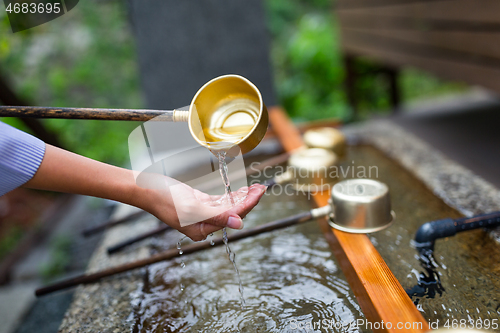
x=221 y=155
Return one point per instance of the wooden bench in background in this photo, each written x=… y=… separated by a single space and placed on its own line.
x=454 y=39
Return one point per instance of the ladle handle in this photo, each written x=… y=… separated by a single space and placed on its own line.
x=93 y=113
x=111 y=223
x=269 y=183
x=173 y=253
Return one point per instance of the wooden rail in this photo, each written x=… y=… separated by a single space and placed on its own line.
x=379 y=293
x=85 y=113
x=174 y=253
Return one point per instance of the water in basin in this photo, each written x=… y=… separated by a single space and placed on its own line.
x=468 y=273
x=290 y=277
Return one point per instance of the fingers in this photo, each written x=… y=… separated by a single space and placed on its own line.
x=231 y=218
x=206 y=229
x=197 y=232
x=235 y=222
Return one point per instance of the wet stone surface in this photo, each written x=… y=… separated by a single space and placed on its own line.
x=468 y=263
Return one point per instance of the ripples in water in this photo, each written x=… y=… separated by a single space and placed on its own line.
x=287 y=276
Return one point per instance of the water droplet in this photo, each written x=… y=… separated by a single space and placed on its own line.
x=183 y=265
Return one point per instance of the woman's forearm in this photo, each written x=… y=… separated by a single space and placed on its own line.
x=63 y=171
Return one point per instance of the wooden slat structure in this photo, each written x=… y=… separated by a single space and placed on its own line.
x=455 y=39
x=380 y=295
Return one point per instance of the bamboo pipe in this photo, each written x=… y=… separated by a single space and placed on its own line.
x=203 y=187
x=173 y=253
x=92 y=113
x=215 y=101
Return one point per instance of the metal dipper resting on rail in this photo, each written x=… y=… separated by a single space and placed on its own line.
x=227 y=112
x=326 y=138
x=429 y=232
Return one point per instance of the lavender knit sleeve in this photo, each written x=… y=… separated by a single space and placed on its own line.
x=20 y=157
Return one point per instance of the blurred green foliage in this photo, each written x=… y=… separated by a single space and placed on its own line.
x=87 y=58
x=309 y=70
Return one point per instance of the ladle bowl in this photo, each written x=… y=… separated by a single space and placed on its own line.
x=361 y=206
x=226 y=112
